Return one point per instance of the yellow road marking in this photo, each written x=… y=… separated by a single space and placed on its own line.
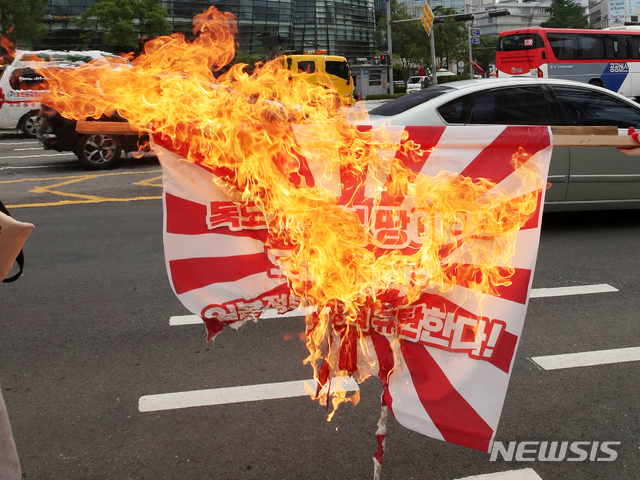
x=149 y=182
x=75 y=202
x=81 y=198
x=86 y=176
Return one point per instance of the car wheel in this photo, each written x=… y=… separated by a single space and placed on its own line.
x=30 y=124
x=597 y=82
x=97 y=151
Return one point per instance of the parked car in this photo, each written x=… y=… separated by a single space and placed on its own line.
x=582 y=178
x=21 y=85
x=95 y=151
x=417 y=83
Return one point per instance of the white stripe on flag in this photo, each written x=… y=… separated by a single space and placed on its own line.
x=524 y=474
x=587 y=359
x=578 y=290
x=248 y=393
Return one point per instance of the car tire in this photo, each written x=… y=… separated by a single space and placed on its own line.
x=597 y=82
x=30 y=124
x=97 y=151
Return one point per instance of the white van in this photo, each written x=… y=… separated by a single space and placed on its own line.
x=21 y=86
x=417 y=83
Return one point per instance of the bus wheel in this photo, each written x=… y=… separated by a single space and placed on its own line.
x=597 y=82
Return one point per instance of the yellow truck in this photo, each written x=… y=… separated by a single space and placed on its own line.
x=334 y=66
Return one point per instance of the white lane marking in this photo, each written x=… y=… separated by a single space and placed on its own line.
x=587 y=359
x=18 y=143
x=13 y=157
x=535 y=293
x=248 y=393
x=177 y=320
x=24 y=149
x=524 y=474
x=578 y=290
x=35 y=166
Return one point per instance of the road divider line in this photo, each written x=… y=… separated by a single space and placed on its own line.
x=587 y=359
x=248 y=393
x=524 y=474
x=577 y=290
x=178 y=320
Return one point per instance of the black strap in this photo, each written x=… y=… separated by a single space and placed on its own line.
x=19 y=258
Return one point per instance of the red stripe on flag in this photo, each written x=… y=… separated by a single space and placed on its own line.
x=185 y=217
x=495 y=162
x=534 y=221
x=505 y=351
x=427 y=137
x=456 y=420
x=469 y=276
x=192 y=273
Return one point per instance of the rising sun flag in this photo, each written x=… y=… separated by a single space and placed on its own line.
x=413 y=248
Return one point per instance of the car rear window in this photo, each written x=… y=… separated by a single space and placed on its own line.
x=585 y=107
x=406 y=102
x=520 y=105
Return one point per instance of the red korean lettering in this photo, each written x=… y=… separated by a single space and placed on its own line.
x=222 y=313
x=437 y=328
x=251 y=217
x=277 y=302
x=223 y=214
x=249 y=310
x=390 y=227
x=410 y=321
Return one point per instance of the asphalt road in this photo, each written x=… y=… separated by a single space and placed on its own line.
x=85 y=333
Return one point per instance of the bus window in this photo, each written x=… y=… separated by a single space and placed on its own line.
x=619 y=47
x=633 y=47
x=306 y=66
x=339 y=69
x=563 y=45
x=591 y=47
x=609 y=52
x=521 y=41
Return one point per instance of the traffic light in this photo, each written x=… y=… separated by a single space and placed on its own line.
x=463 y=17
x=499 y=13
x=385 y=59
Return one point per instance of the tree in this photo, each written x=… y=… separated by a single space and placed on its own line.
x=485 y=53
x=126 y=22
x=410 y=43
x=566 y=14
x=21 y=20
x=451 y=39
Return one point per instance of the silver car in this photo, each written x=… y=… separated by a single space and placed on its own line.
x=582 y=178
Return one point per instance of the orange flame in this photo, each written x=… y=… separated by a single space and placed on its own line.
x=9 y=47
x=241 y=127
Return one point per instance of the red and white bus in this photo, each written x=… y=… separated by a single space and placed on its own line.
x=609 y=58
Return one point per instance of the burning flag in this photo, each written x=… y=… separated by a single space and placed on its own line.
x=413 y=248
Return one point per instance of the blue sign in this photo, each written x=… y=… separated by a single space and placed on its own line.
x=475 y=32
x=475 y=41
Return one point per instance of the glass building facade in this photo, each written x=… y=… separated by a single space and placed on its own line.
x=342 y=27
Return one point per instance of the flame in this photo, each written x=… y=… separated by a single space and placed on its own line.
x=242 y=128
x=9 y=47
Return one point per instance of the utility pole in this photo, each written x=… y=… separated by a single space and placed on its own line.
x=390 y=62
